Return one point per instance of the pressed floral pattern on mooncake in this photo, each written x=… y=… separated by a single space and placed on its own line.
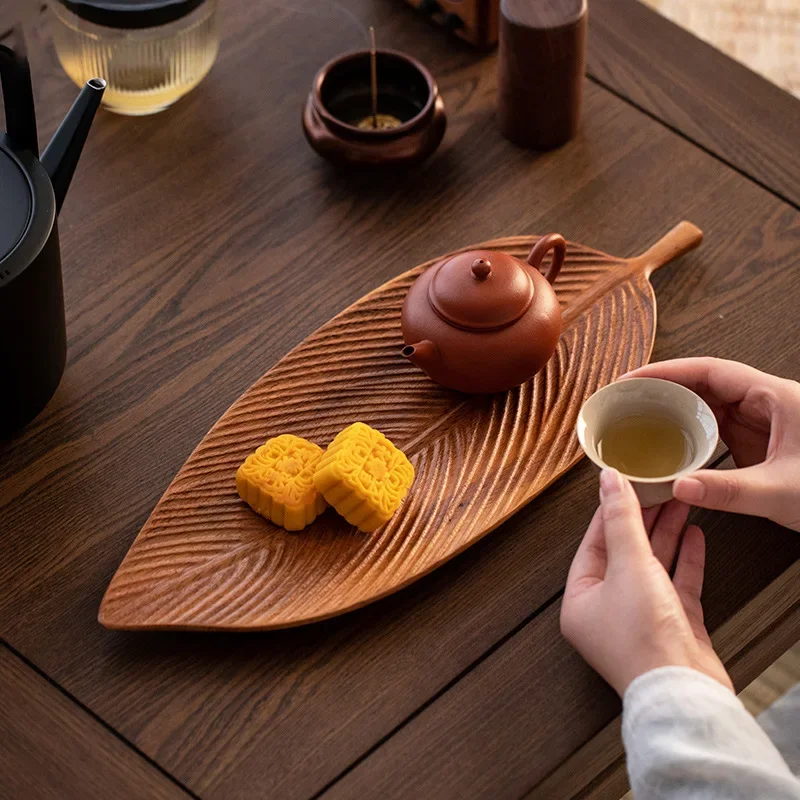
x=364 y=476
x=277 y=482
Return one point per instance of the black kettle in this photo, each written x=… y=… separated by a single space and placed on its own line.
x=33 y=339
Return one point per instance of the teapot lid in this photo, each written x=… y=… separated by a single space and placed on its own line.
x=15 y=203
x=481 y=290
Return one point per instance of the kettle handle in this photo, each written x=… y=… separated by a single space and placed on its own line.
x=15 y=78
x=554 y=242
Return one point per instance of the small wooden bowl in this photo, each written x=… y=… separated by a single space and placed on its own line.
x=340 y=97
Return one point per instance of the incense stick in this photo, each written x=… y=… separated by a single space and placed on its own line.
x=373 y=69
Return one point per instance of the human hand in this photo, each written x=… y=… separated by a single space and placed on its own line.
x=759 y=421
x=620 y=610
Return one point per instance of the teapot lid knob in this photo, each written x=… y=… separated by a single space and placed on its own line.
x=481 y=290
x=481 y=269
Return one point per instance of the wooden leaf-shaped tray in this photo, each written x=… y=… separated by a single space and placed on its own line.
x=204 y=560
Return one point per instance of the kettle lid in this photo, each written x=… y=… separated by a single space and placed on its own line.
x=15 y=203
x=481 y=290
x=131 y=13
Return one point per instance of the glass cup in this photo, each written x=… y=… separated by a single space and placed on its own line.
x=146 y=69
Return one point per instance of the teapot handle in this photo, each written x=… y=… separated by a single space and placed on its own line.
x=554 y=242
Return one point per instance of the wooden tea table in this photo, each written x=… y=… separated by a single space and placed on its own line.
x=199 y=246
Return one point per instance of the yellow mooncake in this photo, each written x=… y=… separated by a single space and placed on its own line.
x=364 y=476
x=277 y=482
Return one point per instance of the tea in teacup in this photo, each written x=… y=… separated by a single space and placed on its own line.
x=651 y=430
x=645 y=445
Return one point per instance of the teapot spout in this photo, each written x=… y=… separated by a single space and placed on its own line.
x=61 y=156
x=424 y=354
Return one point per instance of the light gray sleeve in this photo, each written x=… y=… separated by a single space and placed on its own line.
x=687 y=736
x=781 y=722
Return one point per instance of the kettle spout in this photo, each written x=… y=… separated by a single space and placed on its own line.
x=424 y=354
x=61 y=156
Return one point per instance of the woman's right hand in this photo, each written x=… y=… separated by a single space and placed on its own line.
x=759 y=421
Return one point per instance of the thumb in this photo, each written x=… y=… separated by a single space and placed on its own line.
x=626 y=538
x=741 y=491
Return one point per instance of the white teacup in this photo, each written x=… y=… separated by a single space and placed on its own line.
x=637 y=396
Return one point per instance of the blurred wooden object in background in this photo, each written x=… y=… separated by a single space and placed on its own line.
x=474 y=21
x=541 y=64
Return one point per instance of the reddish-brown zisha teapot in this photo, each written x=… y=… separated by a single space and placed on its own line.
x=484 y=321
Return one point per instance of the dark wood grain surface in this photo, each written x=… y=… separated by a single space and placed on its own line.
x=199 y=246
x=720 y=104
x=51 y=749
x=11 y=12
x=515 y=715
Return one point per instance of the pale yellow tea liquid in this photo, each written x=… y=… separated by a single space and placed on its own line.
x=645 y=446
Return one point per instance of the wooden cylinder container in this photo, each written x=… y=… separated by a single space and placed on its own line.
x=541 y=64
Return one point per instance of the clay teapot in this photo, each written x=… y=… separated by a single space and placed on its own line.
x=484 y=321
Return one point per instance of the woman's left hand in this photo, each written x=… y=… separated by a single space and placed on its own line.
x=620 y=610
